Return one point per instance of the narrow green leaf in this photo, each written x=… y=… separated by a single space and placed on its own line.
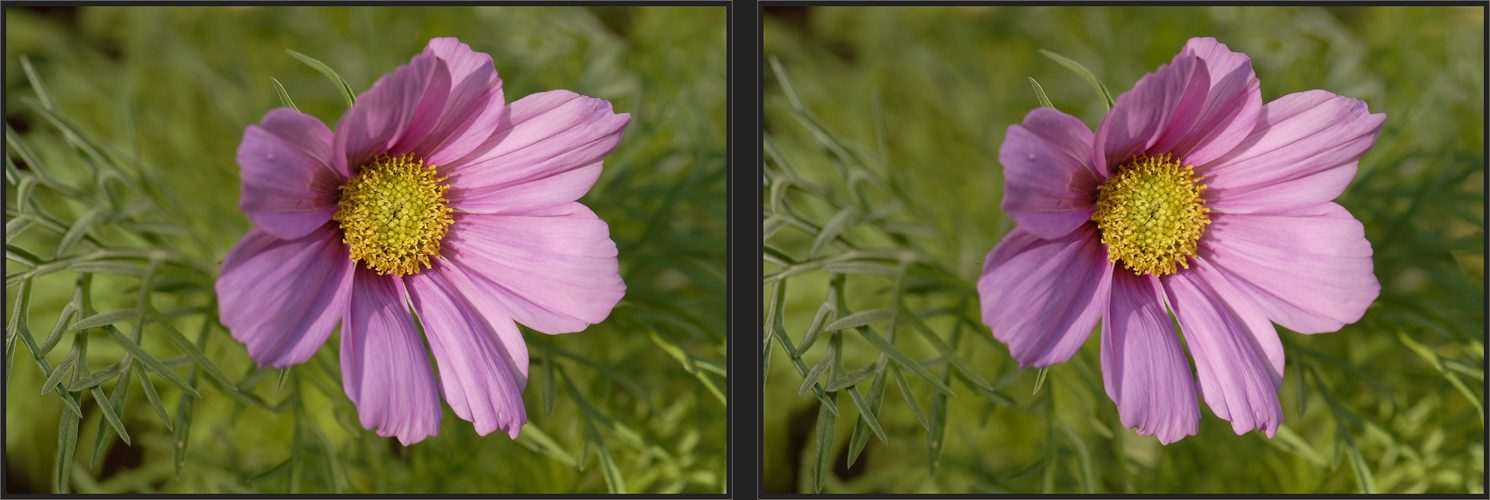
x=346 y=90
x=37 y=85
x=785 y=340
x=860 y=437
x=905 y=361
x=819 y=321
x=284 y=97
x=62 y=370
x=859 y=267
x=816 y=373
x=826 y=420
x=773 y=312
x=1076 y=67
x=957 y=361
x=14 y=226
x=80 y=228
x=68 y=311
x=154 y=398
x=110 y=424
x=851 y=379
x=104 y=319
x=549 y=387
x=150 y=361
x=192 y=351
x=111 y=414
x=867 y=414
x=1363 y=477
x=830 y=230
x=1040 y=93
x=1289 y=441
x=534 y=439
x=614 y=483
x=19 y=319
x=1302 y=389
x=860 y=318
x=333 y=458
x=284 y=375
x=910 y=399
x=786 y=87
x=67 y=444
x=96 y=378
x=1040 y=379
x=107 y=267
x=1083 y=458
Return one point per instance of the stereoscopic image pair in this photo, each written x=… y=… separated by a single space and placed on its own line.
x=499 y=250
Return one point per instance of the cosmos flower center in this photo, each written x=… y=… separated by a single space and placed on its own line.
x=393 y=214
x=1151 y=214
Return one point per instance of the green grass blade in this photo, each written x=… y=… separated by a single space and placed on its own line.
x=860 y=437
x=906 y=361
x=910 y=399
x=150 y=361
x=830 y=231
x=1040 y=379
x=192 y=351
x=346 y=90
x=534 y=439
x=104 y=319
x=957 y=361
x=822 y=457
x=67 y=444
x=80 y=228
x=860 y=318
x=37 y=85
x=1076 y=67
x=810 y=379
x=284 y=97
x=1083 y=458
x=63 y=368
x=1040 y=93
x=819 y=321
x=154 y=398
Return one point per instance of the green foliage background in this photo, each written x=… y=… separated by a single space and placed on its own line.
x=882 y=189
x=154 y=101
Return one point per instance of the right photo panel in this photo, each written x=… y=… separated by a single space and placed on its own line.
x=1123 y=250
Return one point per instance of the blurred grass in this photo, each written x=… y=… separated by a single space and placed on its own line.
x=921 y=98
x=173 y=89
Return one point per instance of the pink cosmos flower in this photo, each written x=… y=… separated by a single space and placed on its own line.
x=1192 y=198
x=432 y=196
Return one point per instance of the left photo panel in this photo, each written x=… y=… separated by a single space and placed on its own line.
x=366 y=250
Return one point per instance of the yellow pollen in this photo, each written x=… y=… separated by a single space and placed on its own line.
x=393 y=214
x=1151 y=214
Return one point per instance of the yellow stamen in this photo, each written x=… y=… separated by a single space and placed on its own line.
x=393 y=214
x=1151 y=214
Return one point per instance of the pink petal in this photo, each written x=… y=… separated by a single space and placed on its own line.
x=554 y=271
x=1311 y=272
x=547 y=150
x=1049 y=189
x=475 y=370
x=481 y=299
x=1141 y=115
x=395 y=115
x=1143 y=366
x=1043 y=297
x=1303 y=152
x=281 y=298
x=1222 y=332
x=1229 y=108
x=385 y=369
x=471 y=113
x=289 y=187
